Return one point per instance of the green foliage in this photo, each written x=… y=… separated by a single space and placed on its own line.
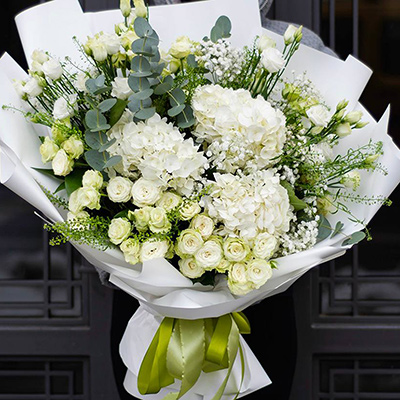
x=92 y=231
x=56 y=200
x=117 y=111
x=73 y=181
x=294 y=200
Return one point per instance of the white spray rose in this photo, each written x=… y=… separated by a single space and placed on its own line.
x=190 y=268
x=32 y=87
x=265 y=42
x=236 y=250
x=265 y=245
x=48 y=150
x=119 y=230
x=64 y=107
x=189 y=242
x=131 y=250
x=290 y=34
x=169 y=201
x=74 y=147
x=181 y=48
x=238 y=282
x=159 y=222
x=52 y=69
x=203 y=224
x=140 y=8
x=84 y=197
x=319 y=115
x=272 y=60
x=259 y=272
x=210 y=255
x=189 y=210
x=343 y=130
x=141 y=218
x=153 y=249
x=119 y=189
x=224 y=266
x=62 y=164
x=93 y=179
x=121 y=89
x=145 y=193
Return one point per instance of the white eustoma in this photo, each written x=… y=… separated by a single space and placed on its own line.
x=74 y=147
x=39 y=56
x=52 y=69
x=210 y=255
x=121 y=89
x=265 y=246
x=290 y=34
x=351 y=180
x=93 y=179
x=241 y=132
x=319 y=115
x=159 y=222
x=19 y=87
x=48 y=150
x=265 y=42
x=343 y=130
x=354 y=117
x=119 y=189
x=157 y=150
x=153 y=249
x=272 y=60
x=131 y=250
x=32 y=87
x=258 y=272
x=181 y=48
x=119 y=230
x=203 y=224
x=190 y=268
x=65 y=107
x=145 y=193
x=62 y=164
x=249 y=205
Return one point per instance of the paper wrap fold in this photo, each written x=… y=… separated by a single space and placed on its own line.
x=159 y=287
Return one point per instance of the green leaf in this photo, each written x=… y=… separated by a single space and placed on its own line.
x=113 y=161
x=138 y=84
x=294 y=200
x=95 y=139
x=177 y=97
x=107 y=145
x=96 y=121
x=173 y=112
x=142 y=27
x=143 y=95
x=186 y=118
x=191 y=60
x=73 y=181
x=165 y=86
x=143 y=47
x=140 y=64
x=61 y=187
x=355 y=238
x=145 y=113
x=117 y=111
x=95 y=160
x=338 y=228
x=122 y=214
x=46 y=171
x=324 y=228
x=107 y=105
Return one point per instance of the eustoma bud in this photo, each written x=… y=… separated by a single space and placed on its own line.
x=125 y=6
x=140 y=8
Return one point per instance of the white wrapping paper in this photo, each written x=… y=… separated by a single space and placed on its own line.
x=159 y=287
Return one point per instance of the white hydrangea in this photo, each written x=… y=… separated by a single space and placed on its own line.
x=249 y=205
x=158 y=151
x=242 y=132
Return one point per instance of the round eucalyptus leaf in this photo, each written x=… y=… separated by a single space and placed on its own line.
x=142 y=27
x=186 y=118
x=140 y=64
x=138 y=84
x=107 y=105
x=144 y=47
x=95 y=160
x=143 y=95
x=177 y=97
x=354 y=239
x=145 y=113
x=173 y=112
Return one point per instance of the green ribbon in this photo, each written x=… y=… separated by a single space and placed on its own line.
x=182 y=349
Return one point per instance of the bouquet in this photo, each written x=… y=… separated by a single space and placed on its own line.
x=204 y=172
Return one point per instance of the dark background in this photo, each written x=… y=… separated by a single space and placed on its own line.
x=56 y=319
